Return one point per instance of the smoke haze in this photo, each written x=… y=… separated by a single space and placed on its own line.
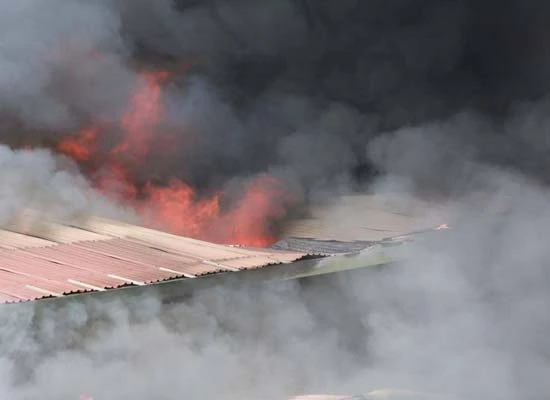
x=445 y=99
x=464 y=314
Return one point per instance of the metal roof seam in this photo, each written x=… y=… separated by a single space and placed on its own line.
x=44 y=291
x=85 y=285
x=45 y=281
x=12 y=294
x=34 y=268
x=128 y=280
x=178 y=272
x=86 y=261
x=134 y=259
x=219 y=265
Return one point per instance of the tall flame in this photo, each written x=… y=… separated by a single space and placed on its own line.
x=140 y=121
x=82 y=147
x=176 y=207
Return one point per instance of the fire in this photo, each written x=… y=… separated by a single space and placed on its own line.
x=140 y=121
x=82 y=147
x=177 y=206
x=260 y=203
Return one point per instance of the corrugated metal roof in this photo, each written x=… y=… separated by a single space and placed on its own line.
x=14 y=240
x=44 y=259
x=321 y=247
x=367 y=218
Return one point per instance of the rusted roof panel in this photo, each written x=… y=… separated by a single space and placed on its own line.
x=25 y=263
x=48 y=259
x=60 y=233
x=6 y=298
x=28 y=287
x=132 y=251
x=162 y=240
x=34 y=224
x=248 y=262
x=14 y=240
x=203 y=250
x=120 y=269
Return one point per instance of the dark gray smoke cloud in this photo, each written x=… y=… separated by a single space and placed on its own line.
x=295 y=86
x=371 y=67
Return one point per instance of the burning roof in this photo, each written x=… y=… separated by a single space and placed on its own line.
x=40 y=259
x=53 y=260
x=130 y=160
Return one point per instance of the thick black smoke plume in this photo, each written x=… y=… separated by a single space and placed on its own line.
x=297 y=87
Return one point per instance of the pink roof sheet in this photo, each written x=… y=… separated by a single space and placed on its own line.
x=14 y=240
x=105 y=254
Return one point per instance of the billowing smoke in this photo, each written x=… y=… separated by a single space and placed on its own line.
x=445 y=99
x=464 y=315
x=36 y=180
x=294 y=88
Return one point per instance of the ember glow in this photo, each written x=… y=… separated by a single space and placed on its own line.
x=176 y=206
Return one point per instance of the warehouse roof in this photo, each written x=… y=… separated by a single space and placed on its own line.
x=367 y=218
x=48 y=259
x=40 y=259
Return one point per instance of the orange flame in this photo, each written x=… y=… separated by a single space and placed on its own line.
x=140 y=121
x=260 y=205
x=82 y=147
x=176 y=207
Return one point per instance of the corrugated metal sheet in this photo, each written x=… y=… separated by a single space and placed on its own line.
x=14 y=240
x=58 y=233
x=25 y=263
x=367 y=218
x=44 y=259
x=321 y=247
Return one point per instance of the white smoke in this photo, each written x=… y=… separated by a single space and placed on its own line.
x=464 y=314
x=40 y=40
x=37 y=180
